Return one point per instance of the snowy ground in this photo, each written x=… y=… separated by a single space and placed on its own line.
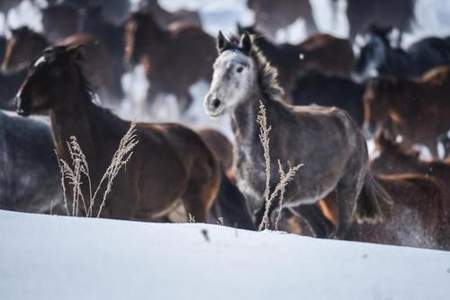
x=49 y=257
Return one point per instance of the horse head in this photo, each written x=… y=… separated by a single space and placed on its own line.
x=234 y=75
x=51 y=76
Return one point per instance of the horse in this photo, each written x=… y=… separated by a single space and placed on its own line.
x=418 y=217
x=29 y=173
x=397 y=14
x=316 y=53
x=25 y=45
x=164 y=18
x=170 y=165
x=393 y=158
x=330 y=90
x=379 y=58
x=326 y=140
x=415 y=109
x=173 y=59
x=271 y=15
x=319 y=52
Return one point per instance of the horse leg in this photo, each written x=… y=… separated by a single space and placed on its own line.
x=199 y=197
x=319 y=224
x=348 y=190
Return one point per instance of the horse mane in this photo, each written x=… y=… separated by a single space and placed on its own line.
x=267 y=77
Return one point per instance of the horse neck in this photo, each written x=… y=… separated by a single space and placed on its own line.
x=74 y=119
x=244 y=118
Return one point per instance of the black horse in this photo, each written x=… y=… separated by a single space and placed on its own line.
x=378 y=57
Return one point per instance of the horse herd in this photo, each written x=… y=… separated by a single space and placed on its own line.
x=322 y=103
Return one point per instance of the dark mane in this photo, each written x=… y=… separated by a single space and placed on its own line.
x=267 y=74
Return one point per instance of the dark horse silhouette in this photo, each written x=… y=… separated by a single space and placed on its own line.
x=174 y=59
x=170 y=165
x=378 y=57
x=29 y=174
x=415 y=109
x=330 y=90
x=272 y=15
x=361 y=14
x=326 y=140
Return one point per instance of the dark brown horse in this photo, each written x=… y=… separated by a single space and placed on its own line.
x=325 y=140
x=326 y=53
x=25 y=45
x=170 y=164
x=419 y=216
x=361 y=14
x=272 y=15
x=173 y=59
x=415 y=109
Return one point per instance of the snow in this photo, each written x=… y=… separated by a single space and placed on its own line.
x=50 y=257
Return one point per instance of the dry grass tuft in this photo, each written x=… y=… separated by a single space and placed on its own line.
x=79 y=168
x=285 y=177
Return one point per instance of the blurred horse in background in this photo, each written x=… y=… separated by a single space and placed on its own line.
x=25 y=45
x=29 y=173
x=164 y=18
x=273 y=15
x=174 y=59
x=379 y=58
x=330 y=90
x=417 y=110
x=398 y=14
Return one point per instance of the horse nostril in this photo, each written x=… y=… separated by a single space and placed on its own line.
x=215 y=103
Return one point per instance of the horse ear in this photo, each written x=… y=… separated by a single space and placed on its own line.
x=246 y=42
x=222 y=42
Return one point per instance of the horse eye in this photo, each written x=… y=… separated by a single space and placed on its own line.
x=240 y=69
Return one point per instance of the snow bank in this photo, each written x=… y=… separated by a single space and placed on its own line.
x=49 y=257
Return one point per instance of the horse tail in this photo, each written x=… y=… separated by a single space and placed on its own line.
x=368 y=204
x=230 y=205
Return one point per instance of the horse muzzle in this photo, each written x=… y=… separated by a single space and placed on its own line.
x=214 y=107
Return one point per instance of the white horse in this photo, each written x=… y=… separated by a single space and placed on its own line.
x=326 y=140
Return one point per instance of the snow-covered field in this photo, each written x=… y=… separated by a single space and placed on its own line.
x=49 y=257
